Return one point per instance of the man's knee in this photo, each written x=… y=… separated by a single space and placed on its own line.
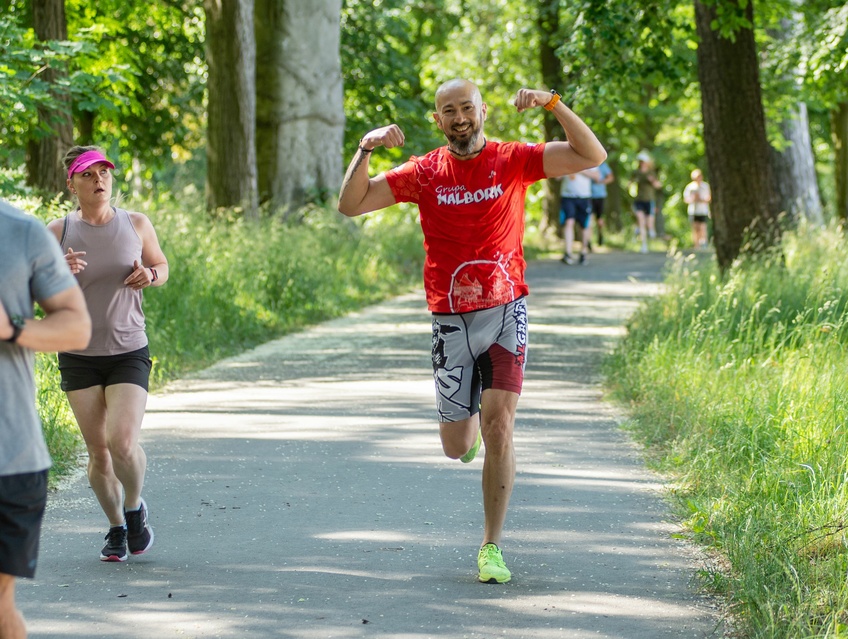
x=497 y=432
x=458 y=437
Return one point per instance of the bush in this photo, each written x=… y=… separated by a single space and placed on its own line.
x=739 y=385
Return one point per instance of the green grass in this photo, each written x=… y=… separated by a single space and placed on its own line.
x=739 y=386
x=235 y=284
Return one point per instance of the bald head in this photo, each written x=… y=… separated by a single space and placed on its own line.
x=457 y=90
x=460 y=113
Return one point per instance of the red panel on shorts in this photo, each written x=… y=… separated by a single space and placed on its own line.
x=507 y=372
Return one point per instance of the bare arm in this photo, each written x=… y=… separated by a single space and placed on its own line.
x=152 y=257
x=582 y=151
x=360 y=193
x=66 y=327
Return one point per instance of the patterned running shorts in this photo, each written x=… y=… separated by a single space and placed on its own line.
x=476 y=351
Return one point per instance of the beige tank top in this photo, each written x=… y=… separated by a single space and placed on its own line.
x=117 y=321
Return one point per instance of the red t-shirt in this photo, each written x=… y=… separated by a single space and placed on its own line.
x=472 y=214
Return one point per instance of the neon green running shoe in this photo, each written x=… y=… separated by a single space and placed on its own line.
x=491 y=564
x=471 y=454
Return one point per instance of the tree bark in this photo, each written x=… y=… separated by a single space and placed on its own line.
x=547 y=20
x=300 y=101
x=737 y=148
x=231 y=128
x=839 y=133
x=45 y=152
x=795 y=171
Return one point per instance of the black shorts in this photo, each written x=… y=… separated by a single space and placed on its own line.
x=598 y=206
x=699 y=218
x=84 y=371
x=22 y=501
x=579 y=208
x=644 y=206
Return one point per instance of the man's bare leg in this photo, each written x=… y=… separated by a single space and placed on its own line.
x=11 y=621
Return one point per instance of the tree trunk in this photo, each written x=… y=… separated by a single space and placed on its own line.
x=299 y=108
x=548 y=22
x=795 y=171
x=85 y=126
x=737 y=149
x=839 y=133
x=45 y=152
x=231 y=126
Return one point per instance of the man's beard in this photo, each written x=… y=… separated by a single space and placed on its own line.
x=464 y=147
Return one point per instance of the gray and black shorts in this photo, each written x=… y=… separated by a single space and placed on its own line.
x=476 y=351
x=23 y=498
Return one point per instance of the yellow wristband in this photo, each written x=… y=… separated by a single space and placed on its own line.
x=555 y=97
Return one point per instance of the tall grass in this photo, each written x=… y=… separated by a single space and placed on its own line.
x=235 y=284
x=739 y=387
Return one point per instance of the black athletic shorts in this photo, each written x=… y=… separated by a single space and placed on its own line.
x=22 y=501
x=598 y=206
x=84 y=371
x=645 y=206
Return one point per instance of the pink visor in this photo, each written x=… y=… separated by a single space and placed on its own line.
x=82 y=162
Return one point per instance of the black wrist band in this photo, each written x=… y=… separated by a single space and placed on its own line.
x=364 y=150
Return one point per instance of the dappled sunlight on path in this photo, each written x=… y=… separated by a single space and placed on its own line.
x=299 y=490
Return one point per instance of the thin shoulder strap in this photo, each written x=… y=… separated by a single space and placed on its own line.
x=64 y=231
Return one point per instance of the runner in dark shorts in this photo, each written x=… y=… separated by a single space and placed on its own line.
x=116 y=257
x=33 y=271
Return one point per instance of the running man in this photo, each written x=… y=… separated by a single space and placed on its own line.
x=33 y=271
x=470 y=194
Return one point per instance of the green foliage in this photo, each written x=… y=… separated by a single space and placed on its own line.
x=384 y=47
x=235 y=284
x=23 y=88
x=60 y=430
x=739 y=385
x=156 y=108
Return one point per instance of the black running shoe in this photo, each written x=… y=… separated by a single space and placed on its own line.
x=139 y=532
x=116 y=545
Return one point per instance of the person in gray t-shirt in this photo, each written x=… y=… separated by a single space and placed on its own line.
x=33 y=271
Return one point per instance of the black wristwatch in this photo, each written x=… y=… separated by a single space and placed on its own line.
x=17 y=322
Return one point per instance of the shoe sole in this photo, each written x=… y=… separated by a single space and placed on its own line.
x=113 y=558
x=493 y=580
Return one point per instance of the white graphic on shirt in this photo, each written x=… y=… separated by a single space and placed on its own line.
x=481 y=284
x=460 y=195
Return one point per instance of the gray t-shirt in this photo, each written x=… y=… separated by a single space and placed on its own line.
x=33 y=269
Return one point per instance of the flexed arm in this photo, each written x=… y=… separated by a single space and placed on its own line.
x=582 y=150
x=360 y=193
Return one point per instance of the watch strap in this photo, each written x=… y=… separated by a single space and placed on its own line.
x=17 y=323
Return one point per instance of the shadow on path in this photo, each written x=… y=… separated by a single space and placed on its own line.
x=299 y=490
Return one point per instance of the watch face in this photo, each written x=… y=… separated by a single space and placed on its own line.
x=17 y=321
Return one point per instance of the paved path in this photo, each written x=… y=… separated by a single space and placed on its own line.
x=299 y=491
